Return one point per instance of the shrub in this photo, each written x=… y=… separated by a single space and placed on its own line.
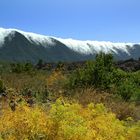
x=43 y=95
x=103 y=70
x=56 y=80
x=121 y=108
x=102 y=75
x=66 y=121
x=2 y=87
x=24 y=123
x=126 y=89
x=40 y=64
x=22 y=67
x=17 y=68
x=98 y=73
x=31 y=95
x=28 y=67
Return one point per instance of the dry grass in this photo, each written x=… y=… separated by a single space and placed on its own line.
x=19 y=81
x=121 y=108
x=55 y=81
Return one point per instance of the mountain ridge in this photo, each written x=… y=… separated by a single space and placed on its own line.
x=17 y=45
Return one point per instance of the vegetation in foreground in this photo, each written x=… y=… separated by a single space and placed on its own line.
x=97 y=102
x=66 y=121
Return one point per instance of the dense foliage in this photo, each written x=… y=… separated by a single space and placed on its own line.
x=103 y=75
x=21 y=67
x=94 y=102
x=66 y=121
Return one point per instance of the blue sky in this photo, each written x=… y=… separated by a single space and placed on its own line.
x=106 y=20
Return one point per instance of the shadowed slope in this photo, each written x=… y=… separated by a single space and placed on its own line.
x=16 y=45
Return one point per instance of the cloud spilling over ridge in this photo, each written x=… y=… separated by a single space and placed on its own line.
x=32 y=37
x=82 y=47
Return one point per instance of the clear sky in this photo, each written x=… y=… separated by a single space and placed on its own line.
x=106 y=20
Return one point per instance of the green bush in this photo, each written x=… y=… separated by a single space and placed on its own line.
x=42 y=96
x=103 y=75
x=40 y=64
x=98 y=73
x=103 y=71
x=126 y=89
x=2 y=87
x=22 y=67
x=17 y=68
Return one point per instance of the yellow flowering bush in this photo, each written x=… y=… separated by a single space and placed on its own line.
x=66 y=121
x=55 y=77
x=73 y=122
x=24 y=123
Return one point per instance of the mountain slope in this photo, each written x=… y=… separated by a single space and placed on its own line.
x=16 y=45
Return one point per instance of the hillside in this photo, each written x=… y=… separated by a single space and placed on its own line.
x=16 y=45
x=95 y=101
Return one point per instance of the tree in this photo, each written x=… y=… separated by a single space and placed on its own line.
x=40 y=64
x=2 y=87
x=102 y=75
